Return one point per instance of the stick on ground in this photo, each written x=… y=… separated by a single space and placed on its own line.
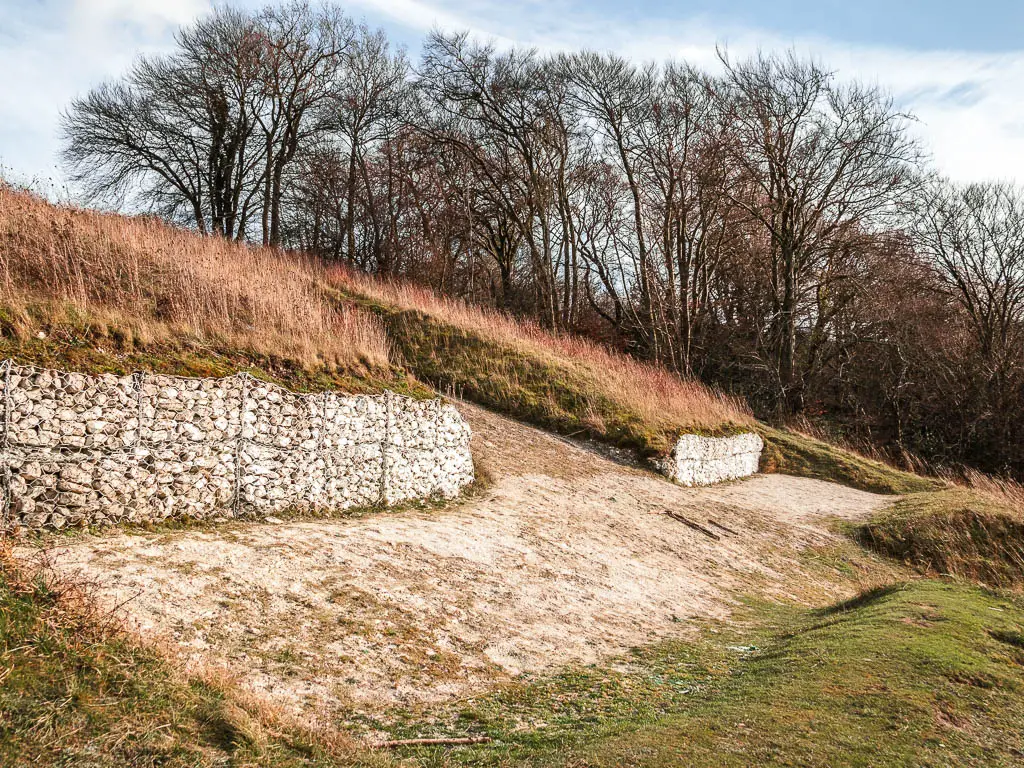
x=722 y=527
x=432 y=742
x=696 y=526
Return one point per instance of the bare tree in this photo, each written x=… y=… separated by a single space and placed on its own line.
x=222 y=54
x=491 y=107
x=810 y=159
x=303 y=50
x=367 y=105
x=619 y=98
x=174 y=134
x=974 y=236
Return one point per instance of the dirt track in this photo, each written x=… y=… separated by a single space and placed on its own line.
x=566 y=557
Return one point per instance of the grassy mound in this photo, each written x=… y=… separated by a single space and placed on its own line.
x=575 y=387
x=974 y=533
x=792 y=453
x=557 y=394
x=105 y=293
x=563 y=383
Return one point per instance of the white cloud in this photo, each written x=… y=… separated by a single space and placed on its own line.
x=415 y=14
x=56 y=51
x=970 y=105
x=152 y=18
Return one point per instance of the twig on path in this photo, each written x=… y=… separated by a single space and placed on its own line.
x=431 y=742
x=696 y=526
x=723 y=527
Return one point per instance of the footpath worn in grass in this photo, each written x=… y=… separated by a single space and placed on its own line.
x=975 y=533
x=922 y=674
x=925 y=673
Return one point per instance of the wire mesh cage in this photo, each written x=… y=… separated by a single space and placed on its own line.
x=81 y=449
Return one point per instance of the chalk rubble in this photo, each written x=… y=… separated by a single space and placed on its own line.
x=84 y=449
x=699 y=460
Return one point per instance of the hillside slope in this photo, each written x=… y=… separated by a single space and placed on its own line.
x=566 y=557
x=557 y=610
x=106 y=292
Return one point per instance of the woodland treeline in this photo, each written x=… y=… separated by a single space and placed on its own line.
x=768 y=227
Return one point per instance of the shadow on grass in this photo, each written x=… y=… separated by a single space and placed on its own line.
x=1016 y=639
x=862 y=600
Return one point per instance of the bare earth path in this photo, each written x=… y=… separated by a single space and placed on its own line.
x=566 y=557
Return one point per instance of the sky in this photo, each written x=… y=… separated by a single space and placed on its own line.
x=958 y=66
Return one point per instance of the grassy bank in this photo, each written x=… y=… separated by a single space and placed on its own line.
x=578 y=388
x=560 y=382
x=106 y=293
x=973 y=532
x=792 y=453
x=65 y=337
x=164 y=283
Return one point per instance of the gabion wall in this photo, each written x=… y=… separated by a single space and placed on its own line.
x=699 y=460
x=83 y=449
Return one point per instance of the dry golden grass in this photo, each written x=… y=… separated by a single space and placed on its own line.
x=659 y=397
x=158 y=282
x=999 y=490
x=161 y=282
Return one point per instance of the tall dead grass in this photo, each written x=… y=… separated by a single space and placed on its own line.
x=657 y=395
x=1002 y=491
x=161 y=281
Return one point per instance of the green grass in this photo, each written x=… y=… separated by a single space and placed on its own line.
x=546 y=392
x=921 y=674
x=956 y=532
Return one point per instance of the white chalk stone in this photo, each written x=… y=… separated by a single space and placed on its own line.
x=698 y=460
x=154 y=447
